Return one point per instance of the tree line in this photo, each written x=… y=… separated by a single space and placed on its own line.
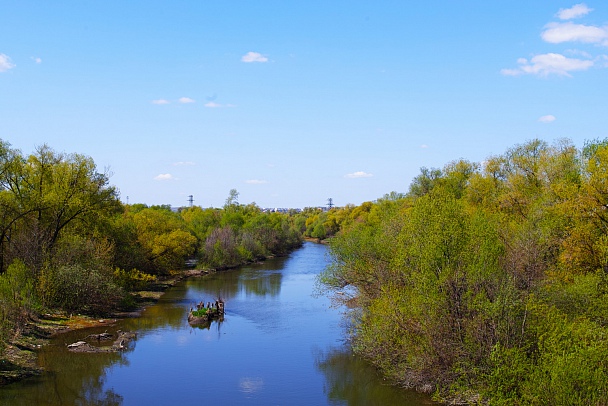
x=486 y=282
x=68 y=244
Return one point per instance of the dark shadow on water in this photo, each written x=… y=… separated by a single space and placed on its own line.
x=77 y=382
x=352 y=381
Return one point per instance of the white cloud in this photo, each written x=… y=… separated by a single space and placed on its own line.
x=160 y=101
x=215 y=105
x=575 y=11
x=359 y=174
x=424 y=146
x=5 y=63
x=254 y=57
x=256 y=181
x=547 y=119
x=165 y=176
x=184 y=163
x=548 y=64
x=579 y=52
x=185 y=100
x=37 y=60
x=560 y=32
x=557 y=33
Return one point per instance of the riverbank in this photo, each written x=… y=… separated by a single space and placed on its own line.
x=19 y=360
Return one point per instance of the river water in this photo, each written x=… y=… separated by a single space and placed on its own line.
x=277 y=345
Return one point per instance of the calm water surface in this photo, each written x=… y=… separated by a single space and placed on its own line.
x=278 y=345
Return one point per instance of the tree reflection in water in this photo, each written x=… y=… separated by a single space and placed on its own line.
x=263 y=280
x=264 y=345
x=78 y=382
x=352 y=381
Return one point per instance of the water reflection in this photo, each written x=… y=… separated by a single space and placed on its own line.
x=352 y=381
x=251 y=385
x=262 y=280
x=270 y=349
x=207 y=325
x=79 y=382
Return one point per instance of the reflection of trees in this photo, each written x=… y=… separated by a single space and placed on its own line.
x=158 y=316
x=77 y=382
x=222 y=284
x=352 y=381
x=262 y=285
x=78 y=378
x=257 y=279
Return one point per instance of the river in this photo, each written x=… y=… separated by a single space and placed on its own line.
x=277 y=345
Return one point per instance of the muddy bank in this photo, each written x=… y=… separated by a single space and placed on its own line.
x=121 y=340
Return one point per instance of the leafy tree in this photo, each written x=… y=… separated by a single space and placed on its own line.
x=486 y=279
x=46 y=194
x=163 y=237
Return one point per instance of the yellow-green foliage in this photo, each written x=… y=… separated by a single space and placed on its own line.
x=134 y=279
x=244 y=233
x=487 y=278
x=16 y=298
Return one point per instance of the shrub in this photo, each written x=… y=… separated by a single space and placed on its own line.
x=74 y=288
x=200 y=312
x=133 y=280
x=16 y=298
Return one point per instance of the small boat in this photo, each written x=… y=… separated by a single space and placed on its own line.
x=204 y=314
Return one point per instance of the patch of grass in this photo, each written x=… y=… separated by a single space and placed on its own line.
x=200 y=313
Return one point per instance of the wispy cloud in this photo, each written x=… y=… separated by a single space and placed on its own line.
x=547 y=119
x=37 y=60
x=424 y=146
x=5 y=63
x=164 y=177
x=184 y=163
x=185 y=100
x=214 y=105
x=160 y=101
x=256 y=182
x=548 y=64
x=254 y=57
x=359 y=174
x=576 y=11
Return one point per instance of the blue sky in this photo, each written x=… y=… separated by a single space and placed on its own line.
x=293 y=102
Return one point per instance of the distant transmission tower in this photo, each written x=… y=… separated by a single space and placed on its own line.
x=190 y=200
x=330 y=203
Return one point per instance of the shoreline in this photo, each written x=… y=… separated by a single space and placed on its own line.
x=19 y=360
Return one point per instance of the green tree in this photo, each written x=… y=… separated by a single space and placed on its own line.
x=163 y=237
x=47 y=194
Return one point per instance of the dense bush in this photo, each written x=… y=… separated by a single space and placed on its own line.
x=487 y=282
x=16 y=299
x=77 y=289
x=248 y=234
x=133 y=280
